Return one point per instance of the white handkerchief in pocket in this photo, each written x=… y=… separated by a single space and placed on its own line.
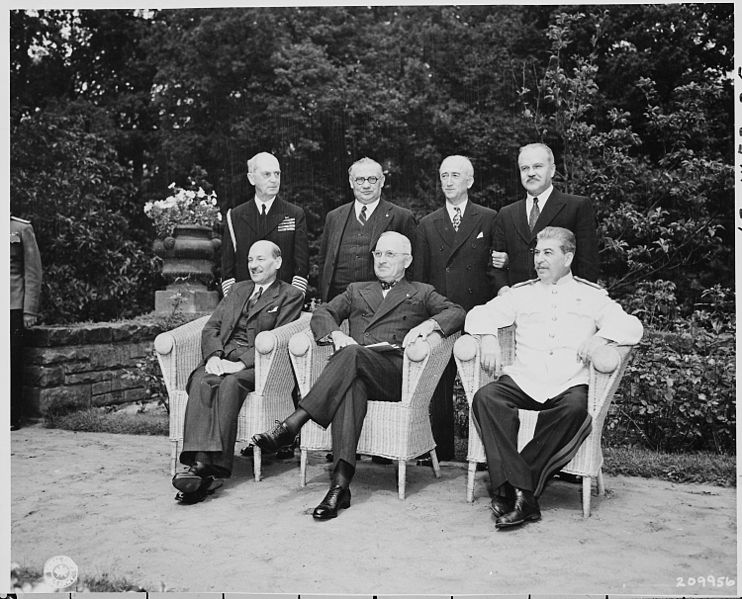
x=480 y=235
x=273 y=309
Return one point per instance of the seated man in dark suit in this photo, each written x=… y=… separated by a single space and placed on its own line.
x=218 y=387
x=390 y=309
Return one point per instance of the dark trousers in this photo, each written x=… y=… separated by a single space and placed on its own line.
x=562 y=425
x=441 y=413
x=210 y=428
x=340 y=396
x=16 y=366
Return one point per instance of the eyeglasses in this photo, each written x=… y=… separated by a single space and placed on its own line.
x=362 y=180
x=388 y=254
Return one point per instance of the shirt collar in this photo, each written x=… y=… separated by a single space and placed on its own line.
x=369 y=207
x=565 y=280
x=542 y=197
x=451 y=208
x=268 y=204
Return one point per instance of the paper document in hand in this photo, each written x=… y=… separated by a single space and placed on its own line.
x=384 y=346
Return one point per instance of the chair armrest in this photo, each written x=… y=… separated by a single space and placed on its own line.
x=309 y=358
x=466 y=352
x=179 y=353
x=423 y=365
x=272 y=364
x=602 y=385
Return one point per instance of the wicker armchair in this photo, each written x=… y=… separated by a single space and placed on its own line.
x=179 y=353
x=396 y=430
x=588 y=461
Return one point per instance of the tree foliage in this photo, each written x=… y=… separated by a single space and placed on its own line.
x=635 y=100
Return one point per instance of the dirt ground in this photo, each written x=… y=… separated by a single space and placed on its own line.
x=106 y=501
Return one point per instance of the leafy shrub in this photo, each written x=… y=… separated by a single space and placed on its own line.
x=678 y=393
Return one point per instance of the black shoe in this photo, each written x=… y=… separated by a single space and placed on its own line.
x=337 y=498
x=377 y=459
x=568 y=478
x=14 y=426
x=190 y=480
x=525 y=509
x=272 y=440
x=207 y=487
x=246 y=451
x=503 y=501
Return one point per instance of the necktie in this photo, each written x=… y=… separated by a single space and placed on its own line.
x=263 y=213
x=457 y=218
x=387 y=284
x=255 y=297
x=362 y=216
x=533 y=216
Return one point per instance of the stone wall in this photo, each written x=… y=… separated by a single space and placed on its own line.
x=82 y=365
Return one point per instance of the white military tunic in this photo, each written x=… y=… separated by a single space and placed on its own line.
x=552 y=321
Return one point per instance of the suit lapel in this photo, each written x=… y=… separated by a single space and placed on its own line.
x=275 y=215
x=521 y=221
x=379 y=220
x=371 y=294
x=268 y=295
x=251 y=216
x=471 y=220
x=397 y=294
x=337 y=232
x=443 y=225
x=554 y=205
x=231 y=319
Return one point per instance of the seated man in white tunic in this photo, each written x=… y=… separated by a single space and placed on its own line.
x=560 y=321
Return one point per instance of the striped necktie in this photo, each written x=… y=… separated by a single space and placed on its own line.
x=362 y=217
x=533 y=216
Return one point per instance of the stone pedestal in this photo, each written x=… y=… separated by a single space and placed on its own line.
x=188 y=264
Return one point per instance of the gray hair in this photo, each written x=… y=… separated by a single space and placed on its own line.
x=255 y=159
x=465 y=160
x=538 y=145
x=406 y=245
x=364 y=160
x=566 y=238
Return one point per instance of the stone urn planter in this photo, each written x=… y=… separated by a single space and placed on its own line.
x=188 y=259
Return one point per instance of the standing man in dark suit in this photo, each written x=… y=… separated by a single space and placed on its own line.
x=390 y=309
x=218 y=387
x=452 y=253
x=25 y=295
x=352 y=230
x=517 y=224
x=266 y=217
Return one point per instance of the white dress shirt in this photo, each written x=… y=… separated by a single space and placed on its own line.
x=542 y=197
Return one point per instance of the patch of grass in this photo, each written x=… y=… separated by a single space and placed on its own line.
x=702 y=467
x=96 y=420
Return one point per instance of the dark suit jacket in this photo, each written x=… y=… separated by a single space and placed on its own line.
x=287 y=228
x=374 y=318
x=280 y=304
x=393 y=218
x=457 y=263
x=513 y=236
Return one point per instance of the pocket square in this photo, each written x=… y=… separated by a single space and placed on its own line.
x=480 y=235
x=273 y=309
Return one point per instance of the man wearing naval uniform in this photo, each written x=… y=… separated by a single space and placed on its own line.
x=560 y=321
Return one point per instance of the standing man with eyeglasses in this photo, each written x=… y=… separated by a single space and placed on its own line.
x=387 y=309
x=266 y=217
x=517 y=224
x=352 y=230
x=452 y=253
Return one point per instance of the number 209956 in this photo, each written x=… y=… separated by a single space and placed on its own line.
x=705 y=581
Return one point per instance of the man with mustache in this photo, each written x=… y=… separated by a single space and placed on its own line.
x=517 y=224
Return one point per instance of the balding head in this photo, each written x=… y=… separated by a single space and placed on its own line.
x=263 y=261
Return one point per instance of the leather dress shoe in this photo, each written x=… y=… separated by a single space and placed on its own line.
x=525 y=509
x=337 y=498
x=190 y=480
x=207 y=487
x=501 y=505
x=272 y=440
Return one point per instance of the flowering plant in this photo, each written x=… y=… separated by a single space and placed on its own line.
x=183 y=207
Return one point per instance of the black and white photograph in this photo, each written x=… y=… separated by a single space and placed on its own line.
x=372 y=300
